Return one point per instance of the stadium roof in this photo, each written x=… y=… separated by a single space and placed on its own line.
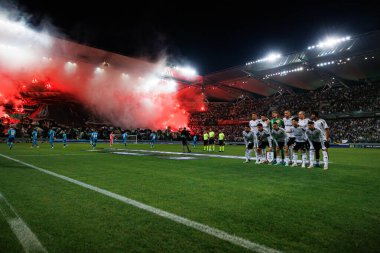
x=342 y=61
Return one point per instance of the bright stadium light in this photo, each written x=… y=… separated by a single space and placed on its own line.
x=270 y=58
x=98 y=70
x=70 y=67
x=284 y=72
x=124 y=76
x=186 y=71
x=330 y=42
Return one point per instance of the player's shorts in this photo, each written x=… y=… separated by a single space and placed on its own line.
x=263 y=145
x=300 y=146
x=51 y=140
x=291 y=141
x=250 y=145
x=11 y=139
x=211 y=141
x=184 y=142
x=327 y=144
x=221 y=142
x=317 y=145
x=205 y=142
x=280 y=144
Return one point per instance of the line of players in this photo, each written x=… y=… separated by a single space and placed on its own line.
x=286 y=137
x=51 y=136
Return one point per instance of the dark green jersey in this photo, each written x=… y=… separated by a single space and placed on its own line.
x=279 y=121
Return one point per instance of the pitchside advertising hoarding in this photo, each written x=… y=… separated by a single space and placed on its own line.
x=365 y=145
x=372 y=146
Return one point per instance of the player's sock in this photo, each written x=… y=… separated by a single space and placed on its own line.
x=270 y=156
x=249 y=154
x=213 y=147
x=295 y=158
x=287 y=159
x=291 y=153
x=278 y=159
x=325 y=158
x=303 y=158
x=223 y=148
x=256 y=154
x=264 y=154
x=311 y=155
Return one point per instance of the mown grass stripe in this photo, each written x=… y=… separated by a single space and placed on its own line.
x=24 y=234
x=176 y=218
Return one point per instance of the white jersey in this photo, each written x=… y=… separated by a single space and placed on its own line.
x=248 y=137
x=288 y=124
x=253 y=125
x=263 y=136
x=279 y=135
x=315 y=136
x=303 y=123
x=322 y=125
x=299 y=133
x=265 y=124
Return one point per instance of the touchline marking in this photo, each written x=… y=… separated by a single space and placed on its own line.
x=24 y=234
x=176 y=218
x=194 y=154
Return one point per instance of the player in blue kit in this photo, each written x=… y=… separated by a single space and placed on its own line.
x=94 y=136
x=34 y=139
x=11 y=137
x=125 y=136
x=64 y=139
x=153 y=137
x=195 y=140
x=51 y=137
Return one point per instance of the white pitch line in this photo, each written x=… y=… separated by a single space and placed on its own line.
x=176 y=218
x=192 y=154
x=24 y=234
x=81 y=154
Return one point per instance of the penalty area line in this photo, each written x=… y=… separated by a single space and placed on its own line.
x=173 y=217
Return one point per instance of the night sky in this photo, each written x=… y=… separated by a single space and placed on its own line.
x=210 y=37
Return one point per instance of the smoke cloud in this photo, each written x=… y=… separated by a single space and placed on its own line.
x=122 y=91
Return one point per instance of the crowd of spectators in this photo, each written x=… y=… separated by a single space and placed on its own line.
x=232 y=117
x=360 y=98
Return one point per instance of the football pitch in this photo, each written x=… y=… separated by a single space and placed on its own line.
x=139 y=200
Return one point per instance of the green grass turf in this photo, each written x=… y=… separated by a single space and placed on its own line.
x=288 y=209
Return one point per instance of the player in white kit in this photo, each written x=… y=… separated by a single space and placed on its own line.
x=253 y=125
x=322 y=125
x=291 y=139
